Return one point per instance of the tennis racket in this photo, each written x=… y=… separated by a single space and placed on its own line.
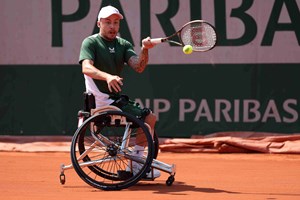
x=198 y=33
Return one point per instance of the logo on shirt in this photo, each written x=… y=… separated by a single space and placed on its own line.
x=111 y=50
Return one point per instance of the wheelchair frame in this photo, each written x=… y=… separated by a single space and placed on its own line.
x=102 y=149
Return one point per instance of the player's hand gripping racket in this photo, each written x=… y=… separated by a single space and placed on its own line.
x=198 y=33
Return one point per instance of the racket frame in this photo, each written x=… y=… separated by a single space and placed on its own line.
x=178 y=33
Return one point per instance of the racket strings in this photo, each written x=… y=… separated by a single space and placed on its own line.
x=199 y=35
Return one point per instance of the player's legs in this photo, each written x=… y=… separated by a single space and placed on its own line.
x=141 y=142
x=139 y=148
x=151 y=121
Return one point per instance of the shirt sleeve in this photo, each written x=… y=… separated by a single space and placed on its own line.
x=129 y=52
x=87 y=50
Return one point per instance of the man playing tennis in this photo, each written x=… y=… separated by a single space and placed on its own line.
x=102 y=57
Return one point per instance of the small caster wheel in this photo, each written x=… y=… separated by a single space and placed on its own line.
x=170 y=180
x=62 y=179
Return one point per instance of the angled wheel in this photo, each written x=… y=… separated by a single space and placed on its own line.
x=155 y=145
x=102 y=150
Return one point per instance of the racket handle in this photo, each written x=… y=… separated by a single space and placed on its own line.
x=156 y=40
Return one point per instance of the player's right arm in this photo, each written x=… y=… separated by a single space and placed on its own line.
x=139 y=63
x=114 y=82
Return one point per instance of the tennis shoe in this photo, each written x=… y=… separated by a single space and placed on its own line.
x=152 y=174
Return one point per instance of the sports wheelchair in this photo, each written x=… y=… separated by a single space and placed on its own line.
x=103 y=145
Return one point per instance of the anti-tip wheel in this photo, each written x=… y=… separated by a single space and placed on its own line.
x=62 y=179
x=170 y=180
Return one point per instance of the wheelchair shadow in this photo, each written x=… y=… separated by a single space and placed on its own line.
x=181 y=188
x=178 y=188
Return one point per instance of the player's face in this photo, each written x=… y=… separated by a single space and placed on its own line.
x=109 y=27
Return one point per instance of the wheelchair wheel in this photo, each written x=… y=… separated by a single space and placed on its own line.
x=102 y=150
x=155 y=145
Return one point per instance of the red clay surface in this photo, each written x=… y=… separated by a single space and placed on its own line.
x=199 y=176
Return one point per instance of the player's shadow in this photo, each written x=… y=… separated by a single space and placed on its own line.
x=178 y=188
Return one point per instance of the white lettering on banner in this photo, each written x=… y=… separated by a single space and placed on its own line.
x=203 y=111
x=292 y=112
x=251 y=106
x=245 y=111
x=253 y=31
x=222 y=111
x=271 y=112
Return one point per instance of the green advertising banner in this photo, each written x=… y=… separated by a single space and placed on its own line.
x=191 y=100
x=249 y=82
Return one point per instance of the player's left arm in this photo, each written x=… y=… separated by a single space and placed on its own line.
x=139 y=63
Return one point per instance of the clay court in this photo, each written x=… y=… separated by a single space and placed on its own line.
x=232 y=67
x=35 y=175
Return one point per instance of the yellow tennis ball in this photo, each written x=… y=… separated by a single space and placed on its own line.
x=187 y=49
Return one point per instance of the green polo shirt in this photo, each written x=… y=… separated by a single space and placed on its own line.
x=108 y=56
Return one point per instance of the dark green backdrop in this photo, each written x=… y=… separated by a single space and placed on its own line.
x=44 y=99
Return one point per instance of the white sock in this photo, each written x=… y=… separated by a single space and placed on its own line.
x=139 y=150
